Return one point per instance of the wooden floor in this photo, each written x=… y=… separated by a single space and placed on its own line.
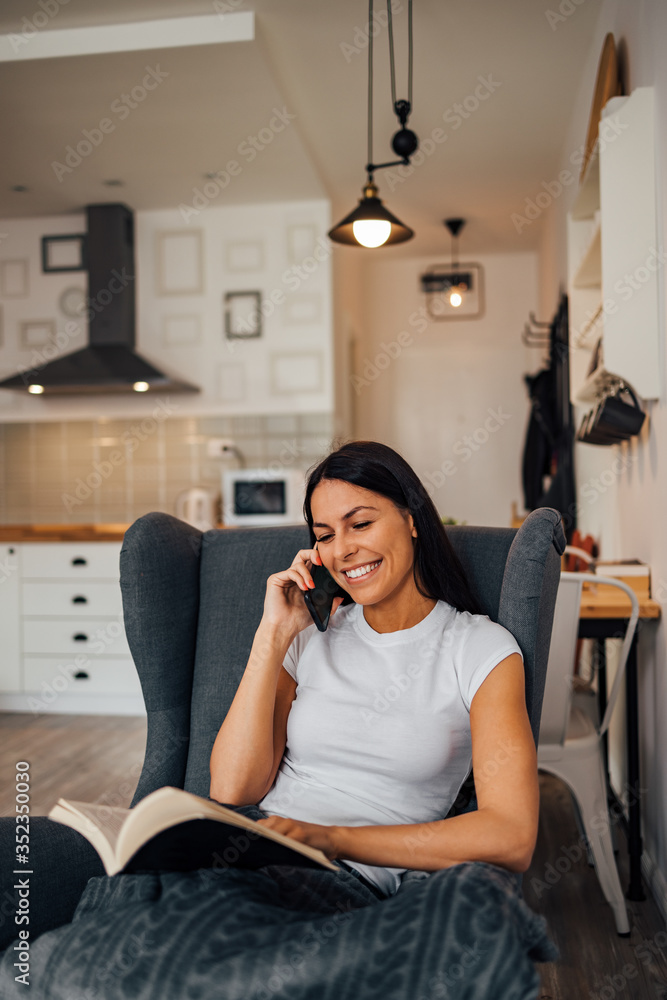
x=97 y=758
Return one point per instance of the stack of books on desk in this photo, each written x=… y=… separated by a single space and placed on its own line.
x=633 y=572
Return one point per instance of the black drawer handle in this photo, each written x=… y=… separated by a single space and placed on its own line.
x=79 y=561
x=79 y=599
x=80 y=637
x=81 y=675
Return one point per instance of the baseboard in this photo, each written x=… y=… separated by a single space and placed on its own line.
x=74 y=704
x=656 y=882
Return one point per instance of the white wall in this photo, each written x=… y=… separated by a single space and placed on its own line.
x=280 y=250
x=450 y=395
x=628 y=515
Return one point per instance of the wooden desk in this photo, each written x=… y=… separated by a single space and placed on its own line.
x=604 y=615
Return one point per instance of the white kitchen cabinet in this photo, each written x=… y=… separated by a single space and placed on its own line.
x=10 y=620
x=614 y=258
x=60 y=605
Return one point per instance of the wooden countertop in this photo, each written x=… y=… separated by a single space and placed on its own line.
x=62 y=532
x=600 y=601
x=65 y=532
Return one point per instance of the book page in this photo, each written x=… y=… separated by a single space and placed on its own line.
x=107 y=819
x=168 y=806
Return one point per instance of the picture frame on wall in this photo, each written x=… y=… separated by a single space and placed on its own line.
x=64 y=253
x=243 y=315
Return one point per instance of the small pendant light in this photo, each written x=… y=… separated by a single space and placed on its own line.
x=371 y=224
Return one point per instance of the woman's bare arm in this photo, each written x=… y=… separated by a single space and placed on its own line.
x=251 y=740
x=502 y=830
x=243 y=755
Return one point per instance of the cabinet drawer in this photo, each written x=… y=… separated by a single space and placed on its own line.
x=73 y=599
x=49 y=677
x=90 y=636
x=71 y=560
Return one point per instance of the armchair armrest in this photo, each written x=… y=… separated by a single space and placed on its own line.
x=61 y=862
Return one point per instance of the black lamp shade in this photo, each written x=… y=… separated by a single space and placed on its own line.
x=370 y=207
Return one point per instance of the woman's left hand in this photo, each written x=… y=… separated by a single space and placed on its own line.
x=313 y=834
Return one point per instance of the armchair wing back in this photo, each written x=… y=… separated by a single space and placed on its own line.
x=192 y=602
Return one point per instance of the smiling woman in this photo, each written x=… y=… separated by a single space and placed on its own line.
x=358 y=739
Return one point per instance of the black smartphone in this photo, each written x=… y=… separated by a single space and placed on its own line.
x=319 y=600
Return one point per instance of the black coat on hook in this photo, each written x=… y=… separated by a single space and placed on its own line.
x=549 y=444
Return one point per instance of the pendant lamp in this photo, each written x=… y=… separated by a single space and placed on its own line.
x=454 y=290
x=371 y=224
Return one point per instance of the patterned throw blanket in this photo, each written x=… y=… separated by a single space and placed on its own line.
x=287 y=933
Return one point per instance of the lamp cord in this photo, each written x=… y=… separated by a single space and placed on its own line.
x=401 y=108
x=390 y=27
x=370 y=85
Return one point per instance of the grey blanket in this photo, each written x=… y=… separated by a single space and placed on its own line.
x=286 y=933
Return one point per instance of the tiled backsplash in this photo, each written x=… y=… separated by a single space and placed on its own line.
x=113 y=471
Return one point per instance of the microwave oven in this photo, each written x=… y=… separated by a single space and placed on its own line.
x=257 y=497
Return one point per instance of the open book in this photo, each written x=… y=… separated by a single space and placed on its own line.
x=174 y=830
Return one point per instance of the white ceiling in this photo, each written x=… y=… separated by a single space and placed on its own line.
x=303 y=59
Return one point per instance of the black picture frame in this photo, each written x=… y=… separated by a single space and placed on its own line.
x=243 y=315
x=52 y=243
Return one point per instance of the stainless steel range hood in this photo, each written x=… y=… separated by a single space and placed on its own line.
x=109 y=363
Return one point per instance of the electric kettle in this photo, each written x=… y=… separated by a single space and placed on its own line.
x=196 y=506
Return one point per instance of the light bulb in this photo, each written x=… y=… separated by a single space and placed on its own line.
x=371 y=232
x=455 y=299
x=36 y=389
x=140 y=386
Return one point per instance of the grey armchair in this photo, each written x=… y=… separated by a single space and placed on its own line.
x=191 y=604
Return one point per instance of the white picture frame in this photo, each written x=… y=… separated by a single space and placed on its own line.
x=301 y=242
x=302 y=308
x=296 y=372
x=36 y=333
x=14 y=279
x=180 y=262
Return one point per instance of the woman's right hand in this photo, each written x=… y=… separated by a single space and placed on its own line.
x=284 y=606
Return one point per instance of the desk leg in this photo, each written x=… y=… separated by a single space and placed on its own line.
x=601 y=670
x=635 y=890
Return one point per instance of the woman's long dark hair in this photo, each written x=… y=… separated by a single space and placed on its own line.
x=438 y=572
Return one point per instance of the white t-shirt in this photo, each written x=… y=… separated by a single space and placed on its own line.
x=379 y=731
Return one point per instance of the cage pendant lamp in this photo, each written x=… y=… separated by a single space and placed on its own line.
x=371 y=224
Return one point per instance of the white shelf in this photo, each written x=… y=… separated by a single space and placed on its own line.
x=587 y=201
x=589 y=271
x=612 y=234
